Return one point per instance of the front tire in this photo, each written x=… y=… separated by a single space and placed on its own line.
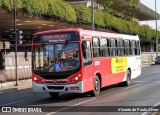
x=54 y=95
x=97 y=86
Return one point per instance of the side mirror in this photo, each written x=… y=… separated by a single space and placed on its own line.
x=84 y=47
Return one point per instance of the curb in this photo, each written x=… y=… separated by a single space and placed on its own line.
x=147 y=64
x=10 y=86
x=8 y=90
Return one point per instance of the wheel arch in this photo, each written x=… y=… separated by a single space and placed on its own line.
x=100 y=78
x=130 y=72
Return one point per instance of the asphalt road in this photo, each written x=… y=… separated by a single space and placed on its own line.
x=144 y=92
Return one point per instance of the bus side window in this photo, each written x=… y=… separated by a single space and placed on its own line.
x=104 y=47
x=120 y=47
x=113 y=47
x=127 y=48
x=123 y=48
x=133 y=47
x=138 y=47
x=96 y=47
x=86 y=46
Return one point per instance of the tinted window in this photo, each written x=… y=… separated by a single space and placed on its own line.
x=87 y=53
x=113 y=49
x=127 y=47
x=96 y=47
x=133 y=47
x=138 y=48
x=104 y=47
x=120 y=47
x=56 y=57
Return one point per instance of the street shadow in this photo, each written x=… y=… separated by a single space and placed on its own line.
x=60 y=99
x=47 y=100
x=68 y=97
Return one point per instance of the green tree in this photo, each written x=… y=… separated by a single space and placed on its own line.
x=130 y=8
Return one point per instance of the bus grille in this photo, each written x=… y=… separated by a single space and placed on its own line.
x=45 y=76
x=55 y=87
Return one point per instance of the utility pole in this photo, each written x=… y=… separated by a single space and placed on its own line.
x=15 y=36
x=156 y=28
x=92 y=6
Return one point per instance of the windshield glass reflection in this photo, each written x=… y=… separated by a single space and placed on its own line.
x=56 y=57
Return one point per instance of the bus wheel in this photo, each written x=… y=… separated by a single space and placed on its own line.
x=97 y=87
x=128 y=81
x=54 y=95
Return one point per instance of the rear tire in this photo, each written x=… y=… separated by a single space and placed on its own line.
x=54 y=95
x=128 y=81
x=97 y=86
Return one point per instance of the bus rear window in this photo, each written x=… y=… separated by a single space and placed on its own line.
x=56 y=37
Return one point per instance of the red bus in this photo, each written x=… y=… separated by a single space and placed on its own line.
x=79 y=61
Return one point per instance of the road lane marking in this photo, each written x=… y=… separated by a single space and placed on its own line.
x=132 y=86
x=13 y=103
x=145 y=81
x=71 y=106
x=145 y=113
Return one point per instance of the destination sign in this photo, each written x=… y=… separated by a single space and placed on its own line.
x=56 y=37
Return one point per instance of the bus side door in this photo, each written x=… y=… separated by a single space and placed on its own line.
x=88 y=66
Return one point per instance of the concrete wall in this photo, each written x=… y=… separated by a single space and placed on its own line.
x=23 y=71
x=148 y=57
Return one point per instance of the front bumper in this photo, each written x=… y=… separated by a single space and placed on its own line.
x=58 y=88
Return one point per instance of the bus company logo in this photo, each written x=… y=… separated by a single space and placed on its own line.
x=97 y=63
x=6 y=109
x=62 y=80
x=119 y=60
x=50 y=81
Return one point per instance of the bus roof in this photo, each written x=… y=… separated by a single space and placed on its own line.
x=84 y=32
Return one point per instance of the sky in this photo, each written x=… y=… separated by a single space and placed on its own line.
x=151 y=4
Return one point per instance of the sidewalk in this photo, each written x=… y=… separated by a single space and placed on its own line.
x=147 y=64
x=10 y=86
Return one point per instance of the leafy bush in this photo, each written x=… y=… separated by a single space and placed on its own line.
x=54 y=8
x=36 y=7
x=8 y=4
x=108 y=20
x=134 y=27
x=147 y=32
x=99 y=19
x=0 y=3
x=62 y=10
x=83 y=14
x=59 y=9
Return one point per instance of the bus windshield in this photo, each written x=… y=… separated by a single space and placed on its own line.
x=56 y=57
